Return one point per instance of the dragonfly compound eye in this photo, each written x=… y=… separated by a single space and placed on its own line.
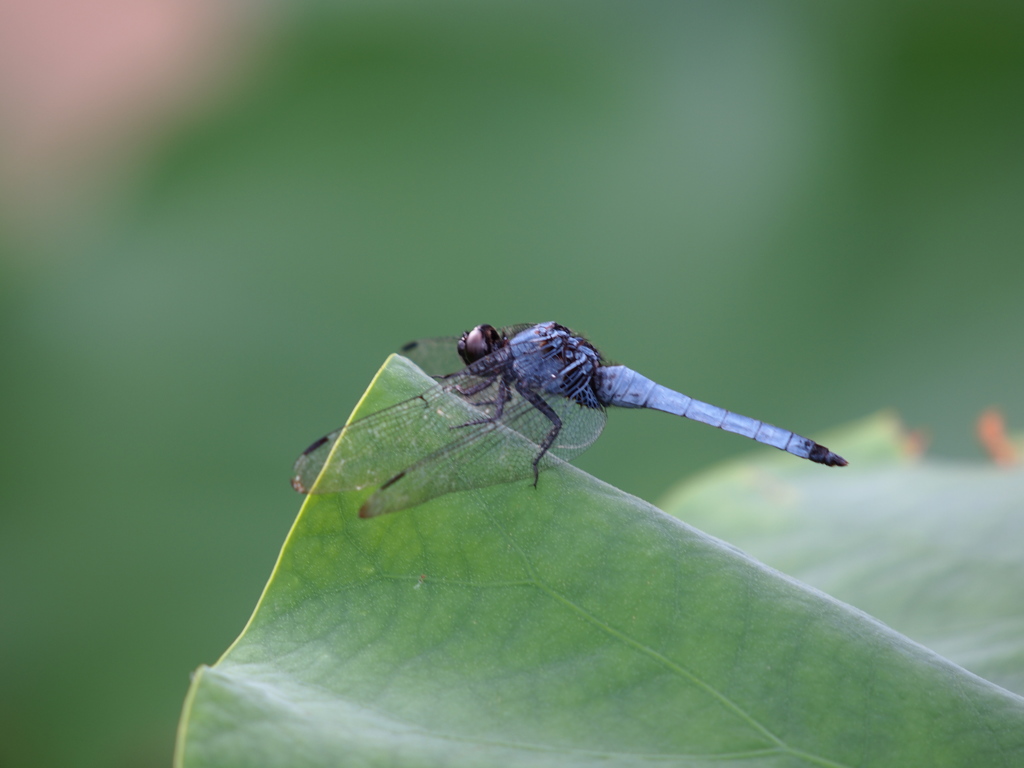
x=478 y=343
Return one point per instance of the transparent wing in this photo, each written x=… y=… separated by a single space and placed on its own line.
x=437 y=357
x=308 y=466
x=378 y=446
x=449 y=438
x=499 y=450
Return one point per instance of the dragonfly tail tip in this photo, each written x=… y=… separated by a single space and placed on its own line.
x=822 y=455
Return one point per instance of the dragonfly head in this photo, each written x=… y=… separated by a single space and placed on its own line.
x=479 y=343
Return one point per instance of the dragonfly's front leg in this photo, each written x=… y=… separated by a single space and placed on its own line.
x=541 y=405
x=498 y=402
x=474 y=389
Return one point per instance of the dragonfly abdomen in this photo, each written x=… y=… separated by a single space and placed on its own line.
x=624 y=387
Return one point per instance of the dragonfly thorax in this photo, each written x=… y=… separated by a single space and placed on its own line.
x=566 y=366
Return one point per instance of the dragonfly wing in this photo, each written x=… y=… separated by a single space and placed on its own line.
x=437 y=357
x=309 y=465
x=579 y=426
x=372 y=449
x=500 y=451
x=481 y=455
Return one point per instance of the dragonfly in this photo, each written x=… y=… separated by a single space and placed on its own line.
x=524 y=399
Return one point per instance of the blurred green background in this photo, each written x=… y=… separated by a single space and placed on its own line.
x=802 y=212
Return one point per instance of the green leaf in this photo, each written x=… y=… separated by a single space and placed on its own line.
x=567 y=625
x=934 y=549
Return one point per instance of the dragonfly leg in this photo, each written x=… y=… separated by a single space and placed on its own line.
x=498 y=403
x=474 y=389
x=541 y=405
